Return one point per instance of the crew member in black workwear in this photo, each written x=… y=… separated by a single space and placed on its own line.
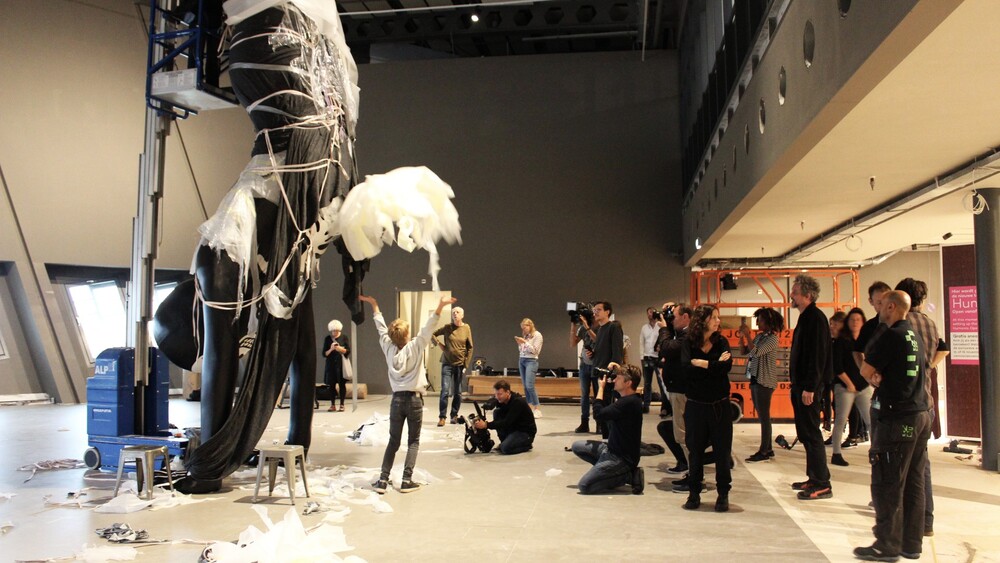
x=901 y=426
x=512 y=419
x=708 y=418
x=810 y=367
x=616 y=462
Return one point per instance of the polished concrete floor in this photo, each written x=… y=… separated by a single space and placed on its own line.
x=487 y=507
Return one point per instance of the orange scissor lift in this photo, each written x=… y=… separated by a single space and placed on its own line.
x=710 y=287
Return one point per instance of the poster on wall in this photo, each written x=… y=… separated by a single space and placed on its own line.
x=963 y=329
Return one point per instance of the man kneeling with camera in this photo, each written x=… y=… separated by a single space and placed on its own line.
x=616 y=462
x=512 y=419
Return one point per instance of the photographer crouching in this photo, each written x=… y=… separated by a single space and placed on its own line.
x=616 y=462
x=512 y=419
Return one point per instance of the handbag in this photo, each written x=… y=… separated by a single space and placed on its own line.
x=347 y=369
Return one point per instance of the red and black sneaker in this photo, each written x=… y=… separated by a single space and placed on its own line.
x=803 y=485
x=817 y=492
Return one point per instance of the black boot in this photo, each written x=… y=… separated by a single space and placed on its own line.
x=693 y=501
x=722 y=503
x=584 y=427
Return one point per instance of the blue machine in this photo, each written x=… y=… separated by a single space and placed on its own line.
x=119 y=416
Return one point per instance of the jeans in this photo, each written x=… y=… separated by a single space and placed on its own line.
x=899 y=457
x=451 y=384
x=709 y=424
x=515 y=442
x=648 y=375
x=528 y=368
x=761 y=397
x=843 y=400
x=588 y=385
x=807 y=428
x=407 y=406
x=609 y=471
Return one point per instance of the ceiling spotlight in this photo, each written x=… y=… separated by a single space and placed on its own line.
x=697 y=244
x=474 y=17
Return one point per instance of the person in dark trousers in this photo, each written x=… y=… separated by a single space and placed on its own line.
x=809 y=369
x=708 y=417
x=762 y=371
x=512 y=419
x=404 y=358
x=901 y=426
x=609 y=346
x=337 y=349
x=671 y=338
x=616 y=462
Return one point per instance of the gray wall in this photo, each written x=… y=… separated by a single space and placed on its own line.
x=566 y=174
x=17 y=371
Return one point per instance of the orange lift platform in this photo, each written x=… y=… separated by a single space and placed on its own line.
x=770 y=288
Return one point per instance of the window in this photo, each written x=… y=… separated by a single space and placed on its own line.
x=100 y=314
x=160 y=292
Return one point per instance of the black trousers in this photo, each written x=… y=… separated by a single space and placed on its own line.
x=665 y=429
x=899 y=457
x=709 y=424
x=807 y=429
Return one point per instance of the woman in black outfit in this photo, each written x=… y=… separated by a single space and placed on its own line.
x=706 y=362
x=336 y=348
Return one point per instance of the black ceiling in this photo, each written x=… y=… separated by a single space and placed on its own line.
x=400 y=29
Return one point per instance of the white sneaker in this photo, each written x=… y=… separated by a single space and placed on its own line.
x=538 y=413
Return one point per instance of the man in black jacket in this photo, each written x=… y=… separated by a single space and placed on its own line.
x=512 y=419
x=901 y=426
x=616 y=462
x=810 y=366
x=609 y=347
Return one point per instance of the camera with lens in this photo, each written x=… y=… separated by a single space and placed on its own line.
x=610 y=374
x=577 y=309
x=476 y=438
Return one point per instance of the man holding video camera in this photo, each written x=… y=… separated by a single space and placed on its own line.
x=581 y=316
x=512 y=419
x=616 y=462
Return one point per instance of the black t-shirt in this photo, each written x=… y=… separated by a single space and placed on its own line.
x=870 y=331
x=608 y=344
x=898 y=357
x=843 y=362
x=624 y=418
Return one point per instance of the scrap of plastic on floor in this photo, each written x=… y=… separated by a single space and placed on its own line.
x=286 y=540
x=553 y=472
x=7 y=496
x=51 y=465
x=127 y=502
x=121 y=532
x=100 y=554
x=6 y=527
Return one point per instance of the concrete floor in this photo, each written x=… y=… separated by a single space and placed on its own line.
x=486 y=507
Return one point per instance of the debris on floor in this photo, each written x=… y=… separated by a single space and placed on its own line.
x=287 y=540
x=128 y=502
x=553 y=472
x=51 y=465
x=121 y=532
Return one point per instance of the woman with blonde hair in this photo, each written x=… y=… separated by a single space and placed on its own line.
x=529 y=345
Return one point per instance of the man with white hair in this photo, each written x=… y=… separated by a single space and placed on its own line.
x=456 y=345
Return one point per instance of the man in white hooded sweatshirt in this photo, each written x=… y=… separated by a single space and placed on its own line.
x=405 y=360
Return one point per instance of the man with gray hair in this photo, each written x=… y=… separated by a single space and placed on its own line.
x=810 y=367
x=456 y=345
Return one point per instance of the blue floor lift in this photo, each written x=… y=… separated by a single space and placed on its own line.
x=127 y=396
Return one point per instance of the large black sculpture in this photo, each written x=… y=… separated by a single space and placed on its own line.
x=259 y=256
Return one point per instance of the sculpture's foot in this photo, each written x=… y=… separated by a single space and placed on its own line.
x=190 y=485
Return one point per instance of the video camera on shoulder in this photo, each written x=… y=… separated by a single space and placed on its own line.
x=577 y=309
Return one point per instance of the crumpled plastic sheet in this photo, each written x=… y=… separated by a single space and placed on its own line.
x=284 y=541
x=374 y=432
x=6 y=527
x=7 y=496
x=100 y=554
x=553 y=472
x=121 y=532
x=129 y=502
x=75 y=499
x=51 y=465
